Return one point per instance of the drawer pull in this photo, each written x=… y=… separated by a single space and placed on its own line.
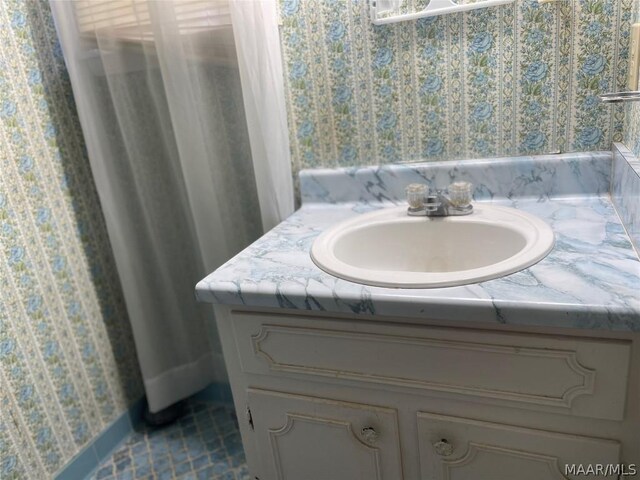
x=443 y=448
x=369 y=435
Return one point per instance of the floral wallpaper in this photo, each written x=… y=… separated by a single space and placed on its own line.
x=516 y=79
x=67 y=361
x=632 y=110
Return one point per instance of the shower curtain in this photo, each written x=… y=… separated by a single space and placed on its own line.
x=182 y=108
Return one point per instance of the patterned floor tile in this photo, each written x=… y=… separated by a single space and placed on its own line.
x=202 y=445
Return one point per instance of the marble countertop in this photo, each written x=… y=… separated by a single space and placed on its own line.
x=591 y=278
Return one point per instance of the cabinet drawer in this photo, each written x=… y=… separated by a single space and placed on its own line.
x=572 y=375
x=455 y=448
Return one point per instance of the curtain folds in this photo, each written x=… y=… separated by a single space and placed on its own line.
x=186 y=178
x=255 y=28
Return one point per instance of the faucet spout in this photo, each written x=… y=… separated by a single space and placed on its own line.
x=422 y=202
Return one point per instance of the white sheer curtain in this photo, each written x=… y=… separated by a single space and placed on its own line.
x=186 y=178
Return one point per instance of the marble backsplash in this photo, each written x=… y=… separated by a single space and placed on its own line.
x=625 y=190
x=541 y=177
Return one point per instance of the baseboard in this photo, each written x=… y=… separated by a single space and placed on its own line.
x=85 y=462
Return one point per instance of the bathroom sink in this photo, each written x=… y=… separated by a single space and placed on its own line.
x=388 y=248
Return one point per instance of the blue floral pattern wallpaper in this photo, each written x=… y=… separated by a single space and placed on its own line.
x=515 y=79
x=632 y=119
x=510 y=80
x=67 y=361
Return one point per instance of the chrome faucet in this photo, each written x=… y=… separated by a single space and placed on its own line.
x=620 y=97
x=438 y=203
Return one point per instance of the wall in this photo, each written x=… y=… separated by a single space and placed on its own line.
x=67 y=361
x=516 y=79
x=632 y=110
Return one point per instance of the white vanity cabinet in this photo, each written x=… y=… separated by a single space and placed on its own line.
x=380 y=398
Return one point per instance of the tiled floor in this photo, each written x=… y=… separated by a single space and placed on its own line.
x=203 y=444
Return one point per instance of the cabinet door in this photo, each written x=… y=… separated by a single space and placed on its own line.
x=455 y=448
x=308 y=438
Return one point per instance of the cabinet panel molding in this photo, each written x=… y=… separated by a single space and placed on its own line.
x=318 y=438
x=536 y=466
x=273 y=342
x=578 y=376
x=369 y=460
x=501 y=452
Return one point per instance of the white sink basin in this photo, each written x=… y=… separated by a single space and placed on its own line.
x=388 y=248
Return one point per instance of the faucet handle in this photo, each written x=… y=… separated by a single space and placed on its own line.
x=416 y=193
x=460 y=194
